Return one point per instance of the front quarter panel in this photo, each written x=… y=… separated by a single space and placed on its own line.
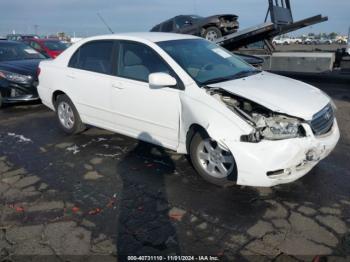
x=199 y=108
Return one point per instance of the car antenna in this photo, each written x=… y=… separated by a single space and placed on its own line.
x=104 y=22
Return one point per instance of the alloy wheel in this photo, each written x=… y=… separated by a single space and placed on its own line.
x=65 y=115
x=211 y=35
x=214 y=160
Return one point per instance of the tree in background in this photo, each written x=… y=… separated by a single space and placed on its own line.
x=332 y=35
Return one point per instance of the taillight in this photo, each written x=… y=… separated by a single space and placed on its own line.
x=38 y=71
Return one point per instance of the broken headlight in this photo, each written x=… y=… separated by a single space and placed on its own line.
x=275 y=128
x=278 y=128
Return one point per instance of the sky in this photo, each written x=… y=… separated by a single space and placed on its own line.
x=80 y=16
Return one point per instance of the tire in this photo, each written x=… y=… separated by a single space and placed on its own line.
x=67 y=116
x=212 y=33
x=1 y=104
x=196 y=148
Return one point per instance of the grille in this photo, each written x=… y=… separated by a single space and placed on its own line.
x=323 y=121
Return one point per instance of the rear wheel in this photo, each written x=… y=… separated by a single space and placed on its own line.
x=213 y=163
x=68 y=116
x=212 y=33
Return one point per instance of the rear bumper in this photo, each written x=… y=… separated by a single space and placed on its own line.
x=270 y=163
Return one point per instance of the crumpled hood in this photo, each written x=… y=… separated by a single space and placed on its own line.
x=216 y=18
x=226 y=16
x=279 y=94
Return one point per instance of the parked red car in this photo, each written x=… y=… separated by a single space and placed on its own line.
x=49 y=47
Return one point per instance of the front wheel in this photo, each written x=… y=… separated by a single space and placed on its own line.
x=212 y=33
x=213 y=163
x=68 y=116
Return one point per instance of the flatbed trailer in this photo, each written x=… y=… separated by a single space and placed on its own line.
x=281 y=23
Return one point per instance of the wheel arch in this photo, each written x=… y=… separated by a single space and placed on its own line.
x=197 y=128
x=55 y=95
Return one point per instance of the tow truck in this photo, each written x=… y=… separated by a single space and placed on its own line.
x=281 y=23
x=325 y=64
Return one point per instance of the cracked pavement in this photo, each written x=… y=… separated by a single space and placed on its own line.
x=103 y=195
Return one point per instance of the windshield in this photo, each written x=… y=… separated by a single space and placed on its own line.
x=196 y=17
x=206 y=62
x=55 y=45
x=17 y=51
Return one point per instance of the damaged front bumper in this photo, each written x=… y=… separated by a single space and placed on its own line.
x=270 y=163
x=229 y=27
x=13 y=92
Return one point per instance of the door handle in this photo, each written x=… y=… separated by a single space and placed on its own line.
x=118 y=86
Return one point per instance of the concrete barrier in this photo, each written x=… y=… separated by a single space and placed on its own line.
x=299 y=62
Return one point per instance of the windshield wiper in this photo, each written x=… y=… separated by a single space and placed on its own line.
x=244 y=73
x=240 y=74
x=217 y=80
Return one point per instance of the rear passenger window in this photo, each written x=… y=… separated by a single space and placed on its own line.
x=95 y=56
x=137 y=61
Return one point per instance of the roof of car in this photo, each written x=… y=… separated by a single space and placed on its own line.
x=10 y=42
x=150 y=36
x=41 y=40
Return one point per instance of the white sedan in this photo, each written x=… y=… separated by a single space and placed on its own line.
x=238 y=124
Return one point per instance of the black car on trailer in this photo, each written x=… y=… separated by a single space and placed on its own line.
x=18 y=72
x=211 y=28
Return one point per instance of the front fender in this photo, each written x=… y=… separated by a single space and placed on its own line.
x=220 y=123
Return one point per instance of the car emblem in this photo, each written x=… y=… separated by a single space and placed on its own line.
x=327 y=116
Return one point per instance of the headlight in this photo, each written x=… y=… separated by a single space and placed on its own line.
x=14 y=77
x=274 y=128
x=281 y=128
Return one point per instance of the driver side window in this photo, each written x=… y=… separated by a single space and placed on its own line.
x=138 y=61
x=180 y=21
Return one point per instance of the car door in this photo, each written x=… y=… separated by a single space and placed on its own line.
x=184 y=25
x=89 y=78
x=149 y=114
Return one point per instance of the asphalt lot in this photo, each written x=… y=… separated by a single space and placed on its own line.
x=100 y=195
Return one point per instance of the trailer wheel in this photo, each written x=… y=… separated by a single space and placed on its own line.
x=212 y=33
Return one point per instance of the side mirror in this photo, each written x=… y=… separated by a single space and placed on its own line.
x=159 y=80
